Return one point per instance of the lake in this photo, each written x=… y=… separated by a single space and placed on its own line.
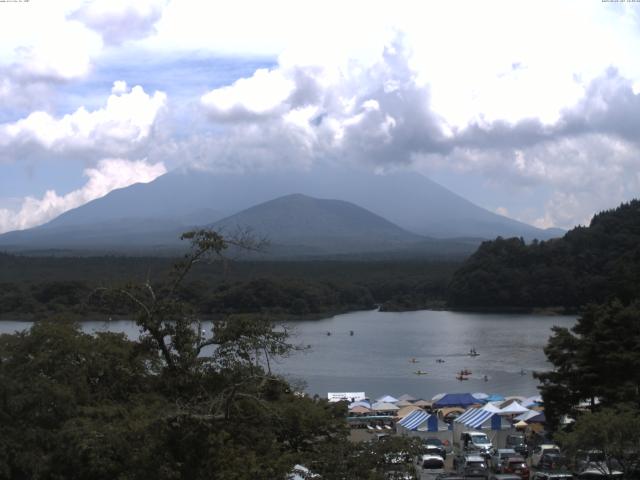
x=376 y=359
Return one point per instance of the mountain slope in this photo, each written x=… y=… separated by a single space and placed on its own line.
x=589 y=264
x=323 y=226
x=406 y=199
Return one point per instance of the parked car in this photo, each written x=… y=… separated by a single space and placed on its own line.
x=504 y=476
x=592 y=463
x=449 y=476
x=434 y=446
x=552 y=461
x=495 y=460
x=541 y=450
x=473 y=466
x=516 y=441
x=429 y=466
x=552 y=476
x=599 y=474
x=476 y=442
x=300 y=472
x=515 y=465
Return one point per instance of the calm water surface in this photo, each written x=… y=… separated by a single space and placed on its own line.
x=376 y=359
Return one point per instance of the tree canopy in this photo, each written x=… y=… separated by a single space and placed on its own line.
x=589 y=264
x=598 y=360
x=178 y=402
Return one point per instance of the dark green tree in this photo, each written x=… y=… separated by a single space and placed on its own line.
x=614 y=433
x=597 y=362
x=179 y=402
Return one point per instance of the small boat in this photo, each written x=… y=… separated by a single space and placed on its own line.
x=465 y=372
x=473 y=353
x=420 y=372
x=328 y=334
x=413 y=360
x=439 y=360
x=461 y=377
x=351 y=332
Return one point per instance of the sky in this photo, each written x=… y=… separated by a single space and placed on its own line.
x=529 y=109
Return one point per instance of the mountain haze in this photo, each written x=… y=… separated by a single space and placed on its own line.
x=322 y=226
x=153 y=214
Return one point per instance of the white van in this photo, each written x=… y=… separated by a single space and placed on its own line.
x=429 y=466
x=476 y=441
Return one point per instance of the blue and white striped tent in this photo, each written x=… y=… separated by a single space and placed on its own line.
x=419 y=419
x=477 y=418
x=486 y=420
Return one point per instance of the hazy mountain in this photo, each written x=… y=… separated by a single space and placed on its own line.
x=319 y=226
x=153 y=213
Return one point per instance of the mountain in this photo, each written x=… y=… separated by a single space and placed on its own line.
x=185 y=198
x=319 y=226
x=588 y=265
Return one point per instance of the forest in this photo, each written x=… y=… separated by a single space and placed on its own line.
x=40 y=287
x=589 y=264
x=79 y=406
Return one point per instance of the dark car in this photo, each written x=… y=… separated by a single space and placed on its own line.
x=515 y=465
x=552 y=461
x=434 y=446
x=473 y=466
x=517 y=442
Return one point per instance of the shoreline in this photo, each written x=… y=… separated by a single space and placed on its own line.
x=311 y=317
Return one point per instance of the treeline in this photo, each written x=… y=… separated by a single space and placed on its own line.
x=37 y=287
x=164 y=406
x=589 y=264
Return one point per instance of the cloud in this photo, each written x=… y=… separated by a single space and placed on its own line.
x=377 y=115
x=382 y=114
x=123 y=124
x=118 y=21
x=258 y=96
x=108 y=175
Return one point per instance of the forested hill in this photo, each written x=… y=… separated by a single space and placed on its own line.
x=589 y=264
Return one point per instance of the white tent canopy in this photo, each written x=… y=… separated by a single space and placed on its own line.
x=514 y=408
x=388 y=399
x=407 y=398
x=527 y=415
x=490 y=407
x=384 y=407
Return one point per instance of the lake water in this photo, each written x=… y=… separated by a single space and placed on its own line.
x=377 y=358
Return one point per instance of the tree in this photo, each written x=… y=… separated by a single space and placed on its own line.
x=177 y=403
x=614 y=433
x=597 y=361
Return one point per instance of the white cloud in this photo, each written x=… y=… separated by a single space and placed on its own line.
x=108 y=175
x=120 y=20
x=259 y=95
x=509 y=91
x=125 y=121
x=119 y=87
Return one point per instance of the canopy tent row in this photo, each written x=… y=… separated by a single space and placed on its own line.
x=387 y=399
x=421 y=421
x=514 y=408
x=384 y=407
x=475 y=417
x=404 y=411
x=456 y=400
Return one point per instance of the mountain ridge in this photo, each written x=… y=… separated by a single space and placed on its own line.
x=183 y=199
